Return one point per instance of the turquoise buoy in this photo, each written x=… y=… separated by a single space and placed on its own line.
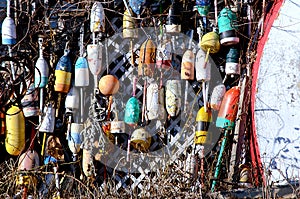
x=227 y=23
x=132 y=111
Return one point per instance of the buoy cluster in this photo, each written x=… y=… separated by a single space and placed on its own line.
x=60 y=102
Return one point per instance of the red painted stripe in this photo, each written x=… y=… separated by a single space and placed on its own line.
x=254 y=148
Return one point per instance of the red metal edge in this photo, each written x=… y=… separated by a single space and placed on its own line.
x=254 y=148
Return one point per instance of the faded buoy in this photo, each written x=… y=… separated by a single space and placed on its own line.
x=227 y=23
x=117 y=127
x=97 y=22
x=129 y=30
x=136 y=5
x=217 y=96
x=173 y=97
x=203 y=72
x=87 y=162
x=164 y=54
x=228 y=109
x=28 y=160
x=30 y=102
x=94 y=57
x=188 y=65
x=74 y=139
x=15 y=131
x=72 y=99
x=140 y=139
x=147 y=58
x=48 y=121
x=109 y=85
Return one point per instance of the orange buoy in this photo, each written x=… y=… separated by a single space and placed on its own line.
x=228 y=109
x=15 y=133
x=109 y=85
x=147 y=58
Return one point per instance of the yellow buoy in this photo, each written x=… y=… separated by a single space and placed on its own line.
x=203 y=119
x=140 y=139
x=129 y=30
x=15 y=131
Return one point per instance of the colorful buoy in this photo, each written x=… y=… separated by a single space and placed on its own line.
x=41 y=72
x=136 y=5
x=203 y=119
x=132 y=112
x=232 y=66
x=63 y=73
x=227 y=23
x=15 y=131
x=228 y=109
x=203 y=7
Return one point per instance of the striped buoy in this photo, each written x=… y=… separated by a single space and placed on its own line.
x=97 y=22
x=173 y=97
x=74 y=139
x=15 y=131
x=217 y=96
x=232 y=66
x=188 y=65
x=63 y=73
x=41 y=72
x=227 y=23
x=109 y=85
x=147 y=58
x=30 y=102
x=173 y=24
x=129 y=30
x=132 y=111
x=28 y=160
x=228 y=109
x=9 y=36
x=203 y=119
x=140 y=139
x=81 y=72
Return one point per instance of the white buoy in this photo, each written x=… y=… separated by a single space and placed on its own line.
x=48 y=121
x=173 y=97
x=41 y=74
x=94 y=57
x=152 y=101
x=217 y=96
x=9 y=36
x=97 y=22
x=74 y=138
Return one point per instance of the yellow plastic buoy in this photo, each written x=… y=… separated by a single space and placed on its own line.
x=15 y=134
x=203 y=119
x=210 y=44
